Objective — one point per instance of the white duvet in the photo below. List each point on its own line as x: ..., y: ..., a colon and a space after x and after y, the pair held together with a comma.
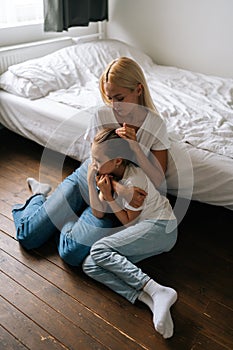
x: 198, y: 109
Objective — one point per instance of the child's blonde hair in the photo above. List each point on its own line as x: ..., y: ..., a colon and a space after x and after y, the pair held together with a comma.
x: 126, y: 73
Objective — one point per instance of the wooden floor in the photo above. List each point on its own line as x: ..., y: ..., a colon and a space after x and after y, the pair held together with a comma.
x: 47, y: 305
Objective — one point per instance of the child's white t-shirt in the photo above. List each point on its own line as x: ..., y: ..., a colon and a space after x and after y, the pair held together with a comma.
x: 155, y: 205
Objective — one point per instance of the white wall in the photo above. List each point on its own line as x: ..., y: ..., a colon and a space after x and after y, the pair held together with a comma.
x: 191, y: 34
x: 35, y: 32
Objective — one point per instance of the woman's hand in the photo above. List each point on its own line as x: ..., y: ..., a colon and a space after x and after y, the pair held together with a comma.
x: 127, y: 132
x: 135, y: 196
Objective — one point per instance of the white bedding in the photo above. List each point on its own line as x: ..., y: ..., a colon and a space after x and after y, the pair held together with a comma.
x: 53, y: 125
x: 198, y: 110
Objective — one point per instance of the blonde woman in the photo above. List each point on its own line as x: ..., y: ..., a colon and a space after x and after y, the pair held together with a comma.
x: 131, y: 110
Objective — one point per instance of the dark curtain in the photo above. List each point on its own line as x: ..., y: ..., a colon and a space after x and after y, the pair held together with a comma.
x: 60, y: 15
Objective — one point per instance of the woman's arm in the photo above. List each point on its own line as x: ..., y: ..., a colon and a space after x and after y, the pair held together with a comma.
x: 97, y: 203
x: 135, y: 196
x: 155, y: 166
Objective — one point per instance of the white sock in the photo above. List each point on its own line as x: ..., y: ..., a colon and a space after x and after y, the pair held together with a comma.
x: 37, y: 187
x: 163, y: 298
x: 169, y: 327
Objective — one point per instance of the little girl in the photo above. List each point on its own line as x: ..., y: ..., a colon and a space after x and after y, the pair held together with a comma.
x: 146, y: 231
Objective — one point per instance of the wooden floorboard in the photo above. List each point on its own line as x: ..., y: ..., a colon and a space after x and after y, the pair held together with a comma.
x: 45, y: 304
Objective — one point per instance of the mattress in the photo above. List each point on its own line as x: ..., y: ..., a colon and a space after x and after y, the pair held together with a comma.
x: 54, y: 125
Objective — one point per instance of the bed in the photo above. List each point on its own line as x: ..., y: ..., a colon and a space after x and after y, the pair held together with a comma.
x: 50, y: 99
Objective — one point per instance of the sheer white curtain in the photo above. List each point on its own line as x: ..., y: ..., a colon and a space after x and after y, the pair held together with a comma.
x: 16, y: 12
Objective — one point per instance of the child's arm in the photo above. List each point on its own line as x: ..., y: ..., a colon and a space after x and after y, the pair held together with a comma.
x: 155, y: 165
x: 125, y: 216
x: 97, y: 203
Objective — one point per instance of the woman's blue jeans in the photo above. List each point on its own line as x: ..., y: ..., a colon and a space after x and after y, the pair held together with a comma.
x: 66, y: 213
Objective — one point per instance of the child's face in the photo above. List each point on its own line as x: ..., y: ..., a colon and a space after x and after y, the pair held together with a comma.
x: 103, y: 164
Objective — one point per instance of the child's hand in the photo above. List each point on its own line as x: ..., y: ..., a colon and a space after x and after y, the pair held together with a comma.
x: 105, y: 186
x: 92, y: 171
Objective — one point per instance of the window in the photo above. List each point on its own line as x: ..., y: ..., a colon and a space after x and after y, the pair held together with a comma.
x: 20, y: 12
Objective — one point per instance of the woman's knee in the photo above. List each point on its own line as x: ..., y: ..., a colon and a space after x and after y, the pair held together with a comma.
x: 72, y: 251
x: 74, y: 257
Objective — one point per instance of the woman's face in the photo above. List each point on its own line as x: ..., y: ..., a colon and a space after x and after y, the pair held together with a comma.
x: 123, y: 100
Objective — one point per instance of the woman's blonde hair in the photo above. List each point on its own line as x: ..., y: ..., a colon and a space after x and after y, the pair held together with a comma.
x: 125, y: 72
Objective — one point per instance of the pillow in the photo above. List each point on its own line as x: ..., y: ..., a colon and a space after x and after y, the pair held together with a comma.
x: 51, y: 72
x: 94, y: 56
x: 18, y: 86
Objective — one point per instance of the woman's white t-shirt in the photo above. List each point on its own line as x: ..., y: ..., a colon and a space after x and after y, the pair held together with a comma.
x: 151, y: 135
